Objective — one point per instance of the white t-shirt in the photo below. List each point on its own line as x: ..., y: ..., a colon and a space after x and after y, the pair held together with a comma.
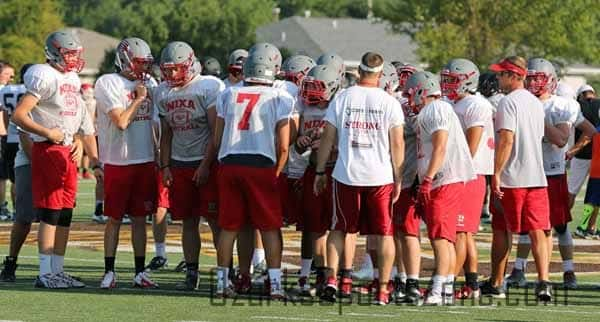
x: 458, y: 165
x: 495, y: 100
x: 9, y: 98
x: 133, y: 145
x: 523, y: 114
x: 558, y: 110
x: 185, y: 109
x: 60, y: 104
x: 251, y: 114
x: 363, y: 117
x: 473, y: 111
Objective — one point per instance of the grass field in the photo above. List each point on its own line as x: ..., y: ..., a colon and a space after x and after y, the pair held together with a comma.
x: 21, y: 302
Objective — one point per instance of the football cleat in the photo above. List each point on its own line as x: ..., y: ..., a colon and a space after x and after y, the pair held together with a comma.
x: 50, y: 281
x: 109, y: 280
x: 8, y: 272
x: 190, y: 283
x: 516, y: 278
x: 71, y: 281
x: 157, y: 263
x: 142, y: 280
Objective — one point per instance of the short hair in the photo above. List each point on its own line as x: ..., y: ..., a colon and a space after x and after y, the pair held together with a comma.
x: 371, y: 60
x: 518, y: 61
x: 4, y: 64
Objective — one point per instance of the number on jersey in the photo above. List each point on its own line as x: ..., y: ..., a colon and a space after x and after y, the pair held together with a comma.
x: 252, y: 99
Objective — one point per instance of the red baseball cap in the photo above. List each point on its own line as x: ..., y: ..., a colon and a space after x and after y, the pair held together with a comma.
x: 508, y: 66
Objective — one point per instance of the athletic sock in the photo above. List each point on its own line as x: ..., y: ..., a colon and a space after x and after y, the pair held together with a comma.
x: 568, y: 265
x: 140, y: 263
x: 45, y: 264
x: 471, y: 280
x: 449, y: 285
x: 58, y: 263
x: 403, y: 277
x: 222, y: 277
x: 191, y: 267
x: 161, y: 249
x: 99, y: 208
x: 521, y: 264
x: 258, y: 256
x: 109, y: 264
x: 275, y: 279
x: 305, y: 267
x: 437, y: 283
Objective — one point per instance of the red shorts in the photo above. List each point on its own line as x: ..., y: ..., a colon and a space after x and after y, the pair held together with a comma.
x: 364, y: 209
x: 558, y: 195
x: 252, y: 196
x: 526, y: 209
x: 54, y: 176
x: 441, y: 213
x: 129, y: 189
x: 471, y: 206
x: 188, y: 200
x: 316, y: 210
x: 163, y: 192
x: 406, y: 217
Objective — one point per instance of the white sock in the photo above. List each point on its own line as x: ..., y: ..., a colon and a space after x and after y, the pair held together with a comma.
x: 376, y: 274
x: 521, y: 263
x: 394, y: 272
x: 275, y: 278
x: 568, y: 265
x: 413, y: 277
x: 367, y: 262
x: 58, y: 263
x: 161, y: 249
x: 403, y: 277
x: 222, y: 277
x: 99, y: 202
x: 45, y: 264
x: 305, y: 268
x: 258, y: 256
x: 449, y: 285
x: 437, y: 282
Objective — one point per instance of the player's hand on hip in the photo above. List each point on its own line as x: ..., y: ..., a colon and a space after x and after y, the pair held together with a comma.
x: 201, y: 175
x: 55, y: 135
x: 167, y: 177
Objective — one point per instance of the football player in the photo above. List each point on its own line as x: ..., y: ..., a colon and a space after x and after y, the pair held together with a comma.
x: 459, y: 80
x: 252, y: 135
x: 234, y: 67
x: 186, y: 102
x: 53, y: 112
x: 125, y: 138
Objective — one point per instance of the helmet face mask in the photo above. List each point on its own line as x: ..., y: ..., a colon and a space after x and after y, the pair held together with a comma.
x: 541, y: 77
x: 420, y: 86
x: 64, y: 51
x: 314, y: 91
x: 459, y: 77
x: 133, y: 58
x: 178, y: 64
x: 295, y: 68
x: 539, y: 83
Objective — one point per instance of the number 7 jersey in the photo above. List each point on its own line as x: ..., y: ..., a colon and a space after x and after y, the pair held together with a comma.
x: 251, y: 114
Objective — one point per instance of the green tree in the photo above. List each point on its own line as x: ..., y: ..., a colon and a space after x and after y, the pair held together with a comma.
x: 486, y: 30
x: 24, y: 26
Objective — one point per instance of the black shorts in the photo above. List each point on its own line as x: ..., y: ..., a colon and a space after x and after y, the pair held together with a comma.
x: 7, y: 159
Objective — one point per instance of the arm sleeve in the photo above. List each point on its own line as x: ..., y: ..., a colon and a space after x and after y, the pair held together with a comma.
x: 285, y: 107
x: 438, y: 120
x: 396, y: 114
x: 39, y: 84
x: 476, y: 116
x: 506, y: 116
x: 107, y: 95
x: 332, y: 112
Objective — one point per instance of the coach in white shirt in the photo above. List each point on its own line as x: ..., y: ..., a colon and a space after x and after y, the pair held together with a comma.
x: 367, y: 124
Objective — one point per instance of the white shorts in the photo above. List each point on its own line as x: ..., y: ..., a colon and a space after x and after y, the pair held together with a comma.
x: 580, y: 169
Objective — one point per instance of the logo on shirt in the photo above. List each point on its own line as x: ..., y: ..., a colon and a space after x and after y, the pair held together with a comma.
x: 180, y: 103
x: 144, y: 111
x: 70, y: 94
x: 362, y: 125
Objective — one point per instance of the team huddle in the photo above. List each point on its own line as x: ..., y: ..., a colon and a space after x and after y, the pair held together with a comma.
x: 295, y: 143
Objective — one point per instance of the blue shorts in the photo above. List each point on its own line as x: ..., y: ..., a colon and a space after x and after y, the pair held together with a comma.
x: 592, y: 193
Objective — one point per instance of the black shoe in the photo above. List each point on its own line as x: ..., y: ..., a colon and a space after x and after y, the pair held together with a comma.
x: 399, y: 288
x: 157, y: 263
x: 190, y: 283
x: 328, y: 294
x: 544, y: 291
x: 488, y: 290
x: 181, y: 267
x: 8, y: 272
x: 412, y: 293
